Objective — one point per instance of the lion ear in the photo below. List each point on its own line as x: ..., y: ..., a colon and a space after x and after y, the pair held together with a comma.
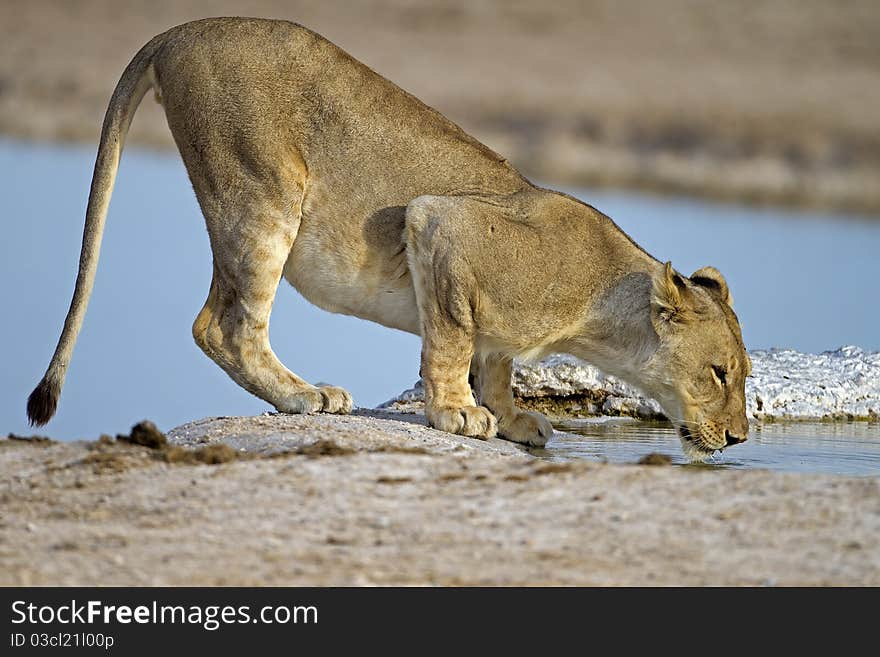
x: 670, y: 297
x: 711, y: 278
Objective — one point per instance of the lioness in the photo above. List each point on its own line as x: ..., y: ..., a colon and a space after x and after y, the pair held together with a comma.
x: 310, y: 166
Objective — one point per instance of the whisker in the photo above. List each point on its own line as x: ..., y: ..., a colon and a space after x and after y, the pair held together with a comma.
x: 687, y: 423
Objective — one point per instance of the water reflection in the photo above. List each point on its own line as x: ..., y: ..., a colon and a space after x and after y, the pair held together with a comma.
x: 841, y: 448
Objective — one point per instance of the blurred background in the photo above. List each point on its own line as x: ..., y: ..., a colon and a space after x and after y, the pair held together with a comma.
x: 761, y: 100
x: 740, y: 134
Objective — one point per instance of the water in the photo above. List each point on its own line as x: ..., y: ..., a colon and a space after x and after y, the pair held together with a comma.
x: 802, y: 280
x: 843, y: 448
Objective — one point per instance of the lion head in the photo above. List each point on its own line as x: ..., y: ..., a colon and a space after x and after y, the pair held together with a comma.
x: 701, y: 364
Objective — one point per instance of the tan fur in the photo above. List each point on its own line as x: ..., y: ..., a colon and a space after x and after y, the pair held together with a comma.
x: 309, y: 166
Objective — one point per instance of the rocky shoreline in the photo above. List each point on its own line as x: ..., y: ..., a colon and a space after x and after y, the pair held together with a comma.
x: 786, y: 385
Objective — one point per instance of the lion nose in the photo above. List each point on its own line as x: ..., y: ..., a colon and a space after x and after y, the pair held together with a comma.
x: 733, y: 440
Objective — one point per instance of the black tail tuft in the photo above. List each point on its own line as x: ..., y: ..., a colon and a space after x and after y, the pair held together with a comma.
x: 43, y: 402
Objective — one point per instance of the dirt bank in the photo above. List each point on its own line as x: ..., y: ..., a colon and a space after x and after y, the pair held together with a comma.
x: 370, y: 499
x: 764, y: 102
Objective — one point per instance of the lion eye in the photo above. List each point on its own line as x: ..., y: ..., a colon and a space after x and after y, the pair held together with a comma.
x: 720, y: 373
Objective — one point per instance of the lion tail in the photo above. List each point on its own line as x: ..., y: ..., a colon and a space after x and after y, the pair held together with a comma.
x: 134, y: 83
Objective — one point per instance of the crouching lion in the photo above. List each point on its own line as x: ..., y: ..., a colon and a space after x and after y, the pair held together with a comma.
x: 308, y: 165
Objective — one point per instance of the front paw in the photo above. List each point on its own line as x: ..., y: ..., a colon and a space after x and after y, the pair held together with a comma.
x: 527, y: 428
x: 474, y: 421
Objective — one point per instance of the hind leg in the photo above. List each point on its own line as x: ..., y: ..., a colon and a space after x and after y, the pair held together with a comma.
x: 233, y: 326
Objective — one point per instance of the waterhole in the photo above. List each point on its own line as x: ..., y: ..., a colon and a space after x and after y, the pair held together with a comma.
x: 851, y: 448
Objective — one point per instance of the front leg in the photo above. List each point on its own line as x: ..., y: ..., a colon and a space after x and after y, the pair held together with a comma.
x: 449, y: 403
x: 493, y: 375
x: 443, y: 285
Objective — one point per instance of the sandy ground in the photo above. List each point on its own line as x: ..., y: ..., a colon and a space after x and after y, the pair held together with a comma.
x: 767, y: 102
x: 378, y: 498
